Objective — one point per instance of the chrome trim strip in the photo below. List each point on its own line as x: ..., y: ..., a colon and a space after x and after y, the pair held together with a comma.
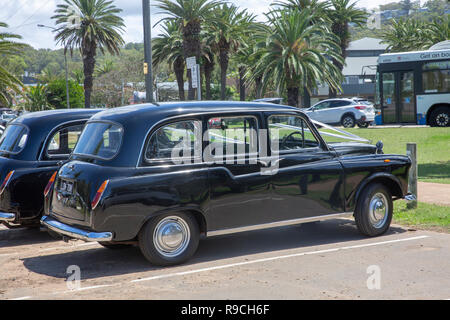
x: 410, y: 197
x: 9, y: 217
x: 73, y: 232
x: 278, y: 224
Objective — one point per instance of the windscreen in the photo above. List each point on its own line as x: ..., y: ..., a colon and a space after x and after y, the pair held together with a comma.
x: 99, y: 140
x: 13, y: 139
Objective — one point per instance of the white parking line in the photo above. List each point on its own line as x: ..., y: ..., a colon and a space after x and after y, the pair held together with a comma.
x: 22, y: 298
x: 69, y: 247
x: 275, y: 258
x: 232, y: 265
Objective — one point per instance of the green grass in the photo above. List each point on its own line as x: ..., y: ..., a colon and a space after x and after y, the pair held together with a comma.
x: 433, y: 148
x: 425, y: 216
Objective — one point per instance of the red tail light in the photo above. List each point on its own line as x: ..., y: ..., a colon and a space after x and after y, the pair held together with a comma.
x: 6, y: 181
x: 99, y: 194
x: 50, y: 184
x: 360, y: 107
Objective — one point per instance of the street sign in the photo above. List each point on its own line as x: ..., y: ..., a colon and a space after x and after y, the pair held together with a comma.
x: 194, y: 74
x: 191, y: 62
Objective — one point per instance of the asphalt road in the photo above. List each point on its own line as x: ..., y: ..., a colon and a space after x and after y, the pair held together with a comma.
x: 327, y: 260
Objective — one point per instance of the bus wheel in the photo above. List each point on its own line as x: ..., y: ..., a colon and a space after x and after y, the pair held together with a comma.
x: 440, y: 117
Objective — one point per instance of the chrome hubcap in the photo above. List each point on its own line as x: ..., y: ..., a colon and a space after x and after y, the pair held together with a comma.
x: 171, y: 236
x: 442, y: 119
x: 378, y: 210
x: 348, y: 122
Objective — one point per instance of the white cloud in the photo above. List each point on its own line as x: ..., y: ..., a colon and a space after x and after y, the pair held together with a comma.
x: 23, y: 16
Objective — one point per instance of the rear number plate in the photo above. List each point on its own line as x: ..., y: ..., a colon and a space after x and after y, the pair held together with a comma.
x: 66, y: 186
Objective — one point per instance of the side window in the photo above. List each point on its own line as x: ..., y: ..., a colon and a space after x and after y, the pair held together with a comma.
x: 232, y: 136
x: 176, y: 142
x: 338, y: 104
x: 63, y: 142
x: 323, y: 105
x: 290, y: 133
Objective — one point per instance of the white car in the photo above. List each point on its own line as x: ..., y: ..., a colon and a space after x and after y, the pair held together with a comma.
x: 345, y: 112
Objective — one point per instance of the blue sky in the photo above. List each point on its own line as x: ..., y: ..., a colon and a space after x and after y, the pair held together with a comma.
x: 22, y: 16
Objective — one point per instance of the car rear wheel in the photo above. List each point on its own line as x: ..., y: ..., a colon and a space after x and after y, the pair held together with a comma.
x: 363, y: 125
x: 169, y: 239
x: 374, y: 210
x: 348, y: 121
x: 440, y: 117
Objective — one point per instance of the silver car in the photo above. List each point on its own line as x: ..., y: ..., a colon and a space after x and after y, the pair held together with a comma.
x: 345, y: 112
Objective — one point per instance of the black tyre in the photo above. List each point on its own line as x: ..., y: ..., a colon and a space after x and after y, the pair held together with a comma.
x: 440, y: 117
x: 373, y: 214
x: 115, y: 246
x: 169, y: 239
x: 348, y: 121
x: 363, y: 125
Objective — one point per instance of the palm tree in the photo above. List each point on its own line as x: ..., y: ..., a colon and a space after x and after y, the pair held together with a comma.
x: 228, y: 29
x: 318, y: 7
x: 8, y: 47
x: 404, y: 35
x: 208, y: 63
x: 106, y: 67
x: 89, y: 25
x: 189, y: 15
x: 437, y: 31
x: 168, y: 47
x: 297, y: 54
x: 37, y: 98
x: 246, y: 57
x: 341, y: 13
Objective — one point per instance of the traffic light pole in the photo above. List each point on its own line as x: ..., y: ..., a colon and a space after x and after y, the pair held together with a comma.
x: 148, y: 51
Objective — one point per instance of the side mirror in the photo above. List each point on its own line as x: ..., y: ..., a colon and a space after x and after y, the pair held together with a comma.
x: 379, y: 146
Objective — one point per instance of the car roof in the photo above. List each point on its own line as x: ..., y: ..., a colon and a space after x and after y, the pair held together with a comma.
x: 165, y: 110
x: 138, y: 120
x: 337, y: 99
x: 40, y: 124
x: 52, y: 117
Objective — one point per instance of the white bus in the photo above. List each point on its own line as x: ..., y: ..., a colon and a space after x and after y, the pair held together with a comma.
x: 414, y: 87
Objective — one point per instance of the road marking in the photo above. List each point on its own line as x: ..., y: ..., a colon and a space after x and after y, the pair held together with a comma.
x: 7, y: 254
x: 177, y: 274
x: 88, y: 288
x: 183, y: 273
x: 69, y: 247
x: 22, y: 298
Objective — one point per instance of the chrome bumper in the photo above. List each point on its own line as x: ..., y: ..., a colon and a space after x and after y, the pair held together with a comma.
x: 8, y: 217
x: 410, y: 197
x: 73, y: 232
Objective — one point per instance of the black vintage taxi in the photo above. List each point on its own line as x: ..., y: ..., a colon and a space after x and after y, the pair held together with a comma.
x: 30, y: 149
x: 164, y: 176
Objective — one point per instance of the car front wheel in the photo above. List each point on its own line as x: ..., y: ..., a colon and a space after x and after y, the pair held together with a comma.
x: 374, y: 210
x: 348, y: 121
x: 169, y: 239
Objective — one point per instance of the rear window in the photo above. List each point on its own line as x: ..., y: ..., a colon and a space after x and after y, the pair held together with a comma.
x: 14, y: 138
x: 100, y: 140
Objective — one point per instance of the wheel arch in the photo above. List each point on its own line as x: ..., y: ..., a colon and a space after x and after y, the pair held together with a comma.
x: 390, y: 181
x: 434, y: 107
x: 195, y: 212
x: 348, y: 113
